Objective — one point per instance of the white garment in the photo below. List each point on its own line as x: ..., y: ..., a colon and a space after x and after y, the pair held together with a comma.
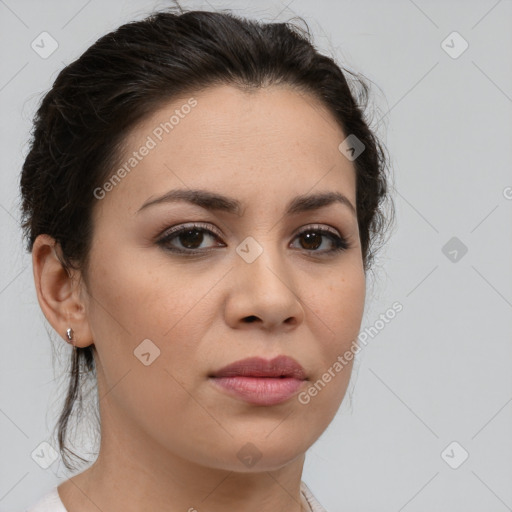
x: 51, y: 501
x: 313, y: 503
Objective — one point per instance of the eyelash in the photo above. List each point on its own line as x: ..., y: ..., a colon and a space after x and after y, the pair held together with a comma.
x: 340, y: 243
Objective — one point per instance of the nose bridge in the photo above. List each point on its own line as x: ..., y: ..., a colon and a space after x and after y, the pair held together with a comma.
x: 266, y: 288
x: 263, y: 261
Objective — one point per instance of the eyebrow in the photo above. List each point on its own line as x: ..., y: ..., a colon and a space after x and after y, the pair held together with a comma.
x: 213, y: 201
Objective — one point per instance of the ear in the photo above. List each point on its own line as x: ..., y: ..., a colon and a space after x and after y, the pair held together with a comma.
x: 59, y: 291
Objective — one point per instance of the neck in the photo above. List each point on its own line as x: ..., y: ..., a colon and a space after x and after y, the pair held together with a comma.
x: 132, y: 473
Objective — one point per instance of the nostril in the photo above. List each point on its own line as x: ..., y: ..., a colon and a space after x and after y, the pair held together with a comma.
x: 251, y: 319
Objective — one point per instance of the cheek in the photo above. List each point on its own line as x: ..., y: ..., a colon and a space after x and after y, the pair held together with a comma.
x: 145, y: 335
x: 341, y: 308
x: 135, y: 299
x: 139, y: 292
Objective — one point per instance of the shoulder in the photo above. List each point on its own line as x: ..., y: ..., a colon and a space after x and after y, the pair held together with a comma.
x: 50, y: 502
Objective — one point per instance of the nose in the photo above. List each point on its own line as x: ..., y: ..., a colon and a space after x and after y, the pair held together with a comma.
x: 263, y: 294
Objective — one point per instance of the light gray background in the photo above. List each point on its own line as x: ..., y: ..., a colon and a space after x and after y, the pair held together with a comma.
x: 441, y: 370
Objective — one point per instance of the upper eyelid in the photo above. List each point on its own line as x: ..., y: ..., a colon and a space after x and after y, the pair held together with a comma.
x: 207, y: 227
x: 189, y: 225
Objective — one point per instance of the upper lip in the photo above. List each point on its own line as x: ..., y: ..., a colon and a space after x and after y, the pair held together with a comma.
x: 280, y: 366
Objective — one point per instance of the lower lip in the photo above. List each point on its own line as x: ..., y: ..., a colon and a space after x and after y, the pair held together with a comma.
x: 260, y: 390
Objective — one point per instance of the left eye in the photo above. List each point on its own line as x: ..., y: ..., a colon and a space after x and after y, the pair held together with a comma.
x: 312, y: 238
x: 191, y: 237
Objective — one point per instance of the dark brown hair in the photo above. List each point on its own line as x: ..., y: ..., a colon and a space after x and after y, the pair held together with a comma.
x: 126, y: 75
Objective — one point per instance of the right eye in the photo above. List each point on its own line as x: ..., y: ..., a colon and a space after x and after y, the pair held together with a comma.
x: 190, y: 237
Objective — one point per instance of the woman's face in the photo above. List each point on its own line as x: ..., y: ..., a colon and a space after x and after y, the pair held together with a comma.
x: 166, y: 315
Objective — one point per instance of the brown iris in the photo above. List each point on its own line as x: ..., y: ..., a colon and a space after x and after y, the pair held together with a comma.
x: 313, y: 240
x: 194, y: 237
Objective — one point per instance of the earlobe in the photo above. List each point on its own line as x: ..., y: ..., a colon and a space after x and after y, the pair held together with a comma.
x: 58, y: 292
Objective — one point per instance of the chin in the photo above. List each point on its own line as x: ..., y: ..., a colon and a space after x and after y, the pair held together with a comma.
x: 245, y: 454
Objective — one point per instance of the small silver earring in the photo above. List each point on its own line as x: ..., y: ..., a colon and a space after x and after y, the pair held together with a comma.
x: 70, y: 334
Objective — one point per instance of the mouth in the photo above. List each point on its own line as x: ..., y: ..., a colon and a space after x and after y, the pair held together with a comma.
x: 259, y: 381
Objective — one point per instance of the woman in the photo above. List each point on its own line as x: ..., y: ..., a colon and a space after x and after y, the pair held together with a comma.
x: 202, y: 199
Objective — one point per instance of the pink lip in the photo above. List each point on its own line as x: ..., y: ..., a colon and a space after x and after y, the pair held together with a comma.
x: 261, y: 382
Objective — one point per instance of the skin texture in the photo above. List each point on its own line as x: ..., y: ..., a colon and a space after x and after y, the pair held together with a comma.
x: 170, y: 438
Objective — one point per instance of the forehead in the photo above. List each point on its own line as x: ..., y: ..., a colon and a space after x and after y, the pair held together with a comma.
x: 245, y: 142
